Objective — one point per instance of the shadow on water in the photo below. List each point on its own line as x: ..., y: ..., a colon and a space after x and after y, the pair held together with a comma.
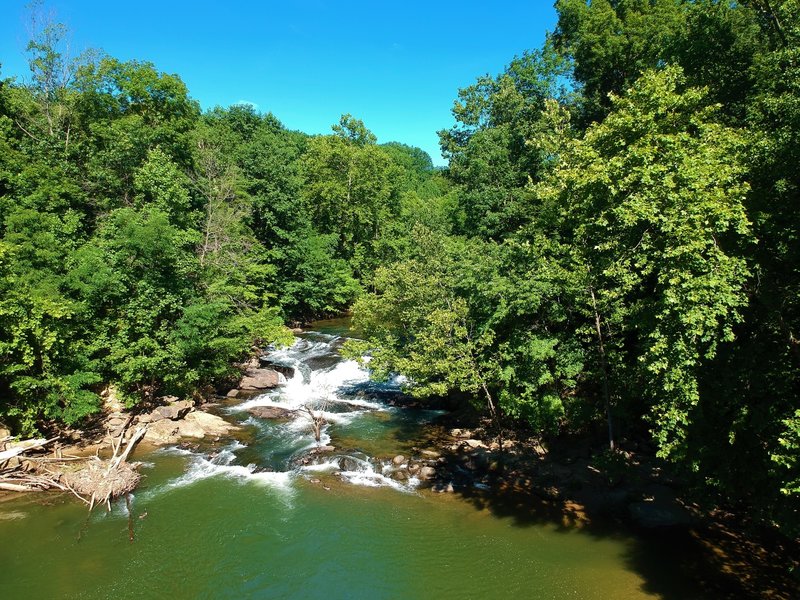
x: 704, y: 558
x: 707, y: 558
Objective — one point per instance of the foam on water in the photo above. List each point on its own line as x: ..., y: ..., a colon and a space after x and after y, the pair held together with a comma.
x: 365, y: 475
x: 338, y: 383
x: 202, y: 467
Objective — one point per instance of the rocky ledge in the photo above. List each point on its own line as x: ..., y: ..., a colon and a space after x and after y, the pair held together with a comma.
x: 169, y: 422
x: 258, y: 377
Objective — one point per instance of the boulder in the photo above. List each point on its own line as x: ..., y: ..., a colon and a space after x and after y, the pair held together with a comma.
x: 232, y: 393
x: 426, y: 473
x: 348, y: 463
x: 430, y: 453
x: 212, y: 425
x: 4, y: 432
x: 173, y: 411
x: 260, y: 379
x: 162, y: 432
x: 196, y: 424
x: 270, y: 412
x: 284, y: 370
x: 398, y: 460
x: 475, y: 444
x: 399, y: 475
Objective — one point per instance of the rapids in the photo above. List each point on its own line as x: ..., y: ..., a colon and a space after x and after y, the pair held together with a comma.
x: 251, y: 518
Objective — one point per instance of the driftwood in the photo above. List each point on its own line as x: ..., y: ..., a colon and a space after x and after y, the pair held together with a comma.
x: 103, y: 481
x: 97, y: 482
x: 22, y: 447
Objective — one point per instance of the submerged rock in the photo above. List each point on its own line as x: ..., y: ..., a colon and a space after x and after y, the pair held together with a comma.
x: 658, y: 514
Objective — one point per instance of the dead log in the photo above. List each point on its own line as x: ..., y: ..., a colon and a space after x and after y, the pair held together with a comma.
x: 23, y: 447
x: 15, y: 487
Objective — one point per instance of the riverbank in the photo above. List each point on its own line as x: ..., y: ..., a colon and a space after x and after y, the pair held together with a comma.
x: 731, y: 555
x: 376, y: 438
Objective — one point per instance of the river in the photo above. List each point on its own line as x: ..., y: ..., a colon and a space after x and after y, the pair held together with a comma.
x: 244, y: 519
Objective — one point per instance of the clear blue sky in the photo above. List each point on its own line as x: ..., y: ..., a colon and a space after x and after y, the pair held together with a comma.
x: 395, y: 65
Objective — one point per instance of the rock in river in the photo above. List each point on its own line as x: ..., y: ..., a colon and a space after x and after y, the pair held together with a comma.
x: 261, y: 379
x: 270, y: 412
x: 195, y: 425
x: 427, y: 473
x: 172, y: 411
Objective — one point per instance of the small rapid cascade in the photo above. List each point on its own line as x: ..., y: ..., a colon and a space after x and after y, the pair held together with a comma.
x: 319, y: 383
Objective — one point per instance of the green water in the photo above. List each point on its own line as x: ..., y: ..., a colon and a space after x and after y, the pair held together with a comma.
x: 203, y: 530
x: 222, y: 538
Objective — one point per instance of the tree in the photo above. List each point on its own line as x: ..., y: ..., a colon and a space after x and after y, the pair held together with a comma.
x: 653, y: 205
x: 612, y: 42
x: 491, y: 161
x: 459, y: 315
x: 349, y: 190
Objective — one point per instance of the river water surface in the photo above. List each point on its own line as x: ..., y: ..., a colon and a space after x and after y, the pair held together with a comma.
x: 247, y: 519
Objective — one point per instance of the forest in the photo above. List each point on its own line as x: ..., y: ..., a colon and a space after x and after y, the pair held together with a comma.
x: 613, y: 250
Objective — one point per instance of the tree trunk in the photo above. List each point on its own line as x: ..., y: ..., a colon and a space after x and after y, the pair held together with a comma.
x: 604, y: 368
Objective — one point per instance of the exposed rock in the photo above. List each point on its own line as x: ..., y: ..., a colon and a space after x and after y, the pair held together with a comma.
x: 260, y: 379
x: 413, y: 468
x: 398, y: 460
x: 162, y: 432
x: 430, y: 453
x: 4, y: 432
x: 284, y: 370
x: 173, y: 411
x: 426, y: 473
x: 195, y: 425
x: 658, y: 514
x: 270, y: 412
x: 232, y: 393
x: 475, y: 443
x: 212, y: 425
x: 399, y: 475
x: 348, y: 463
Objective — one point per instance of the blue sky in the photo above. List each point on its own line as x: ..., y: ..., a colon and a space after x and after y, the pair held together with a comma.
x: 395, y: 65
